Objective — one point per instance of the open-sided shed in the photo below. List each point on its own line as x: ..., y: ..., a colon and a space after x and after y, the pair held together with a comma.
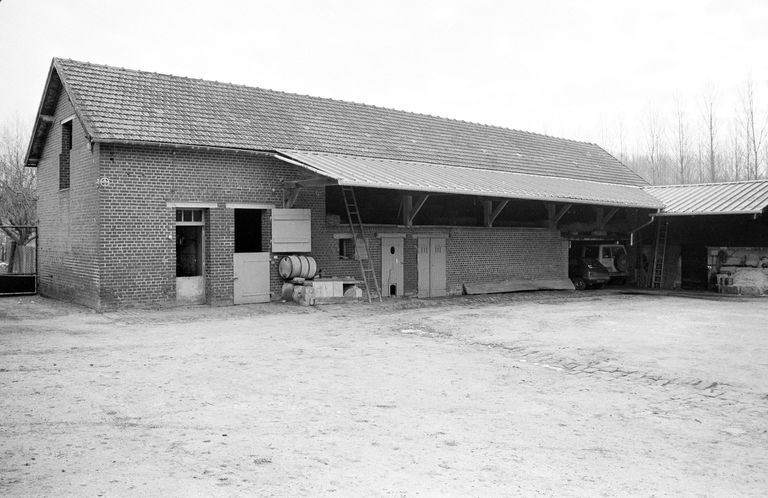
x: 708, y: 232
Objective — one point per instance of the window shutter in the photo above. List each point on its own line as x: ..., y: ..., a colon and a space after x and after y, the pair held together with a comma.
x: 291, y: 230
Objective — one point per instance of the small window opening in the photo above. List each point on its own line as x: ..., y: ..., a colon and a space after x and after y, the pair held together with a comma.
x: 64, y: 157
x: 347, y: 248
x: 392, y: 250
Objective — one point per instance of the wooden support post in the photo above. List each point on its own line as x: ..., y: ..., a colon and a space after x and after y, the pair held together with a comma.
x: 289, y: 196
x: 490, y: 213
x: 487, y: 210
x: 407, y: 206
x: 410, y: 210
x: 599, y: 216
x: 554, y: 215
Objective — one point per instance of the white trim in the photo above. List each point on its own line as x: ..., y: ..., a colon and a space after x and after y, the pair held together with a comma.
x: 67, y: 120
x: 390, y: 235
x: 192, y: 205
x: 248, y: 205
x: 431, y: 235
x: 339, y: 236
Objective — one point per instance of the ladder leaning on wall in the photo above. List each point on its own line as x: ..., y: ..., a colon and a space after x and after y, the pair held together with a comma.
x: 660, y: 252
x: 358, y: 233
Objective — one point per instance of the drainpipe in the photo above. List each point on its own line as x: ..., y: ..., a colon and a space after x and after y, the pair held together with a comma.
x: 633, y: 232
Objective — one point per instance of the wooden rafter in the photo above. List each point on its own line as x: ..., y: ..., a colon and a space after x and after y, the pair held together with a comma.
x: 554, y: 215
x: 411, y: 209
x: 490, y: 213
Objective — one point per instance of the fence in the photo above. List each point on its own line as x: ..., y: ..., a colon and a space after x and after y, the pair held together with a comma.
x: 18, y: 260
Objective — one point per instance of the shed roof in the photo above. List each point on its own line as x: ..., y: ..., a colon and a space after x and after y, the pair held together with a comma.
x: 747, y: 197
x: 429, y: 177
x: 122, y: 105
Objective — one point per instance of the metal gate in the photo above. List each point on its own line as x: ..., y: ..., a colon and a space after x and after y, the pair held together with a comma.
x: 18, y: 260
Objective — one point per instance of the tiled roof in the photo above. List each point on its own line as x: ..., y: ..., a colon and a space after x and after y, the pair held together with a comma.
x: 748, y: 197
x: 427, y: 177
x: 125, y: 105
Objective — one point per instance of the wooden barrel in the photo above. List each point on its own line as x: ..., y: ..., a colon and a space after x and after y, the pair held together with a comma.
x: 297, y: 266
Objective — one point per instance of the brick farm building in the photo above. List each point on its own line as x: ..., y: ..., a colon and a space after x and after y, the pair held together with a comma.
x: 157, y: 189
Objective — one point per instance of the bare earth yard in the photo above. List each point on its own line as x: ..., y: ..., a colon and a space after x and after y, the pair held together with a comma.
x: 593, y: 393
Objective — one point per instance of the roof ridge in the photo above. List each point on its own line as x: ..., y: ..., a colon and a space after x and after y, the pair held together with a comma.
x: 705, y: 184
x: 329, y: 99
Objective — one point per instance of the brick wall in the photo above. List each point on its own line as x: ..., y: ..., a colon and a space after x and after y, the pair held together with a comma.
x: 138, y: 228
x: 68, y: 219
x: 473, y: 254
x: 114, y: 245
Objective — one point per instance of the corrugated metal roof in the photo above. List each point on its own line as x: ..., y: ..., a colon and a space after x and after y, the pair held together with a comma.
x: 749, y: 197
x: 428, y: 177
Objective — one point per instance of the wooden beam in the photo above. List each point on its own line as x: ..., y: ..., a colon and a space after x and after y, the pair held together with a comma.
x: 318, y: 181
x: 289, y: 196
x: 610, y: 215
x: 410, y: 210
x: 490, y: 213
x: 497, y: 211
x: 416, y: 208
x: 406, y: 206
x: 554, y: 215
x: 46, y: 118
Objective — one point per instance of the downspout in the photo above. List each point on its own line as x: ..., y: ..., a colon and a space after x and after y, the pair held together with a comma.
x: 633, y: 232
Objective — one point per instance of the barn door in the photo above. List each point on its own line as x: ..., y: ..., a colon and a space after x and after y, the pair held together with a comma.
x: 251, y: 277
x: 431, y: 267
x: 251, y: 264
x: 391, y: 266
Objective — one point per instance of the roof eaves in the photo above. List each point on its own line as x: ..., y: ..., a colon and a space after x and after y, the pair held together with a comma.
x: 28, y: 160
x: 90, y: 130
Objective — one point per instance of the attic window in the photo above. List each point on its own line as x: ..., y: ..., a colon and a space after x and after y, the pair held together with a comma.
x: 64, y: 157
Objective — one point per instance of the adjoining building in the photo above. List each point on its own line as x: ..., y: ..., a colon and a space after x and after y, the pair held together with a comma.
x: 708, y: 236
x: 158, y: 189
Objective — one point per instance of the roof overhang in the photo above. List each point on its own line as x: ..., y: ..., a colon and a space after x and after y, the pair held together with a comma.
x: 711, y: 199
x: 358, y: 171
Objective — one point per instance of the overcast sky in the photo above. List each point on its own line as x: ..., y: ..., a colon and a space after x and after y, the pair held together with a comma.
x: 562, y: 67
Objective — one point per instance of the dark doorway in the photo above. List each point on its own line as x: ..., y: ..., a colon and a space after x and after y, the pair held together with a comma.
x: 248, y: 230
x: 693, y: 267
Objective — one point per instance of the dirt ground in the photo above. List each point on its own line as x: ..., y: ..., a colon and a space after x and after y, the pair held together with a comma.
x: 581, y: 394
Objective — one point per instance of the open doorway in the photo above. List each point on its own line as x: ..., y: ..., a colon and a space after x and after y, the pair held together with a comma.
x: 190, y: 256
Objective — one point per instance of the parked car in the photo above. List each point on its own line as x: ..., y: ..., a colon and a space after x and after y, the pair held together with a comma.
x: 611, y: 256
x: 587, y: 272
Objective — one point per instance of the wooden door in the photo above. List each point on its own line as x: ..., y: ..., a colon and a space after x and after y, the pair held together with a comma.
x: 431, y: 267
x: 437, y: 283
x: 251, y: 277
x: 391, y: 266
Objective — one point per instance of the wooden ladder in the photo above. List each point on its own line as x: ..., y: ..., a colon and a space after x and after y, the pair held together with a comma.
x: 358, y: 233
x: 660, y: 252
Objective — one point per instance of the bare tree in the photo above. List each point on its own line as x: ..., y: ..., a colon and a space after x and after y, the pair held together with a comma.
x: 654, y: 143
x: 681, y: 142
x: 17, y: 188
x: 755, y: 131
x: 711, y: 134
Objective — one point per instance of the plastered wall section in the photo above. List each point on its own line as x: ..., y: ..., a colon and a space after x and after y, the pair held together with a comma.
x: 68, y: 242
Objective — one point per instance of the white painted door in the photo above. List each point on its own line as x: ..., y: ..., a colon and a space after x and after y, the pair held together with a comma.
x: 391, y: 266
x: 431, y: 267
x: 437, y: 283
x: 251, y: 277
